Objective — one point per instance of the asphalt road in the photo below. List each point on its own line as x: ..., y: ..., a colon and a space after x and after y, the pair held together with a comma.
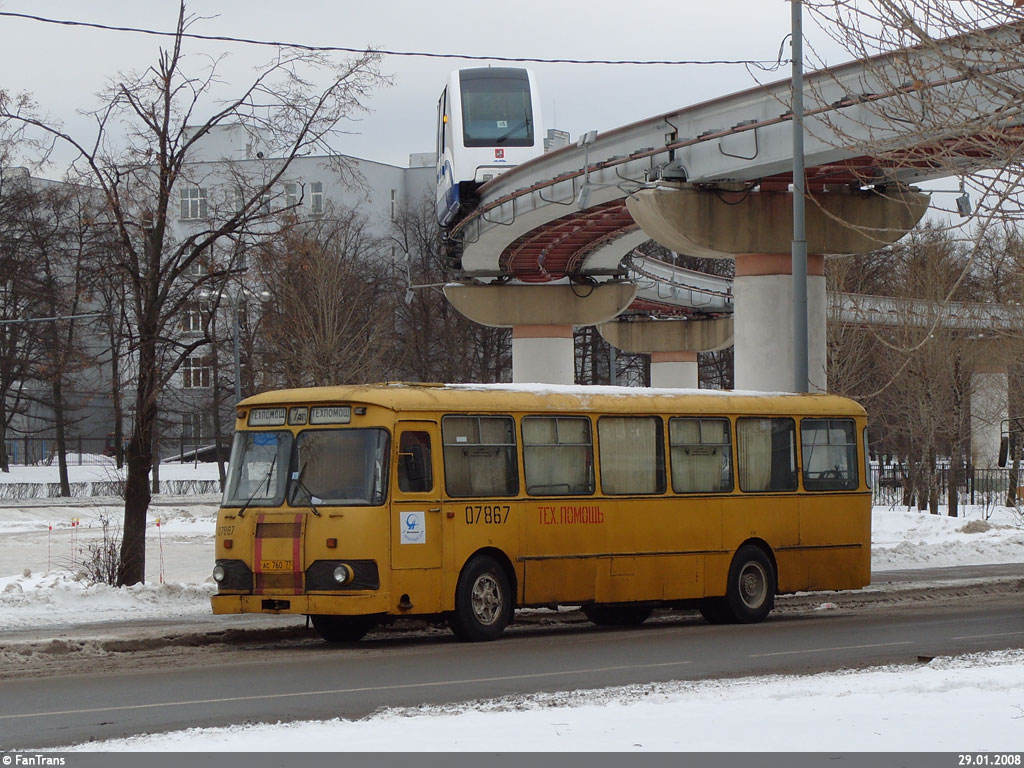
x: 271, y: 680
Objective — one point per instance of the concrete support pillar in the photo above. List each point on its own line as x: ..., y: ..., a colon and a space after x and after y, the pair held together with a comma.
x: 542, y: 318
x: 756, y: 228
x: 990, y: 404
x: 543, y: 353
x: 674, y: 370
x: 763, y: 291
x: 672, y: 344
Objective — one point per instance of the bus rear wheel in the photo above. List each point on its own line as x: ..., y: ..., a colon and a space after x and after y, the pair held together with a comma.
x: 715, y: 610
x: 341, y: 629
x: 483, y: 601
x: 617, y: 615
x: 750, y: 594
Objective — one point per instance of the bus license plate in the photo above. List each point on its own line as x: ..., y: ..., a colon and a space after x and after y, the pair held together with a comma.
x: 275, y: 565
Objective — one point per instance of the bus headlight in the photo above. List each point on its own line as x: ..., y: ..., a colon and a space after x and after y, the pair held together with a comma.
x: 232, y: 575
x: 343, y: 574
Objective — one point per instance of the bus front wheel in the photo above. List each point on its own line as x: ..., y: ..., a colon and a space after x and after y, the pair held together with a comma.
x: 750, y: 594
x: 483, y: 601
x: 342, y: 629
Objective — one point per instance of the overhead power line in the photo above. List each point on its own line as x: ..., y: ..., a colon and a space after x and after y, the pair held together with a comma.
x: 769, y: 64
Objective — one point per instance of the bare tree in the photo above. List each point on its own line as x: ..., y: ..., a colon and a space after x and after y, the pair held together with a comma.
x: 295, y: 103
x: 21, y: 298
x: 434, y: 342
x: 328, y: 318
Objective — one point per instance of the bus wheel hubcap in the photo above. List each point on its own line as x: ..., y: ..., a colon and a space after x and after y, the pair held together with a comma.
x: 486, y: 599
x: 753, y: 585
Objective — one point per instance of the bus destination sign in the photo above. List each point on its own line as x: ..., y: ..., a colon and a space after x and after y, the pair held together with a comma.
x: 266, y: 417
x: 330, y: 414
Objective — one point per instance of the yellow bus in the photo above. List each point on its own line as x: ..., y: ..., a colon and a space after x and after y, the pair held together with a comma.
x: 355, y: 505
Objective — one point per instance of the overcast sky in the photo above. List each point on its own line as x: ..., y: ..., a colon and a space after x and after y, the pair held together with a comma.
x: 65, y: 67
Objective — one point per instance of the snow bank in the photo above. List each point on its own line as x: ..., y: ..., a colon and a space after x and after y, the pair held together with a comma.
x: 977, y: 700
x: 902, y: 539
x: 31, y: 600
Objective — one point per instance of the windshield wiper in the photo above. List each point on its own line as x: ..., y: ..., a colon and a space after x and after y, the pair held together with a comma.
x: 513, y: 129
x: 299, y: 485
x: 273, y: 462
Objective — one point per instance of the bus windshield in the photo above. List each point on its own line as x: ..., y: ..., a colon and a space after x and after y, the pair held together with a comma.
x: 257, y: 470
x: 496, y: 109
x: 341, y: 467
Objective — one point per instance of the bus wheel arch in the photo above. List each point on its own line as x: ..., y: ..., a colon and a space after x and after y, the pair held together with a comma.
x: 485, y: 596
x: 750, y: 591
x: 751, y: 587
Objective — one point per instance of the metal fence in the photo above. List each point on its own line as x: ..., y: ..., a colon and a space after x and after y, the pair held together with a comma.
x: 42, y: 451
x: 889, y: 486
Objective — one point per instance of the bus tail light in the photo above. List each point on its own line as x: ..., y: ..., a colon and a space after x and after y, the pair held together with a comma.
x: 228, y: 543
x: 332, y: 543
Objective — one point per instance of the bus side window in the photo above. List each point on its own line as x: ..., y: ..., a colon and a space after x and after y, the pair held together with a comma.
x: 479, y: 456
x: 767, y: 454
x: 632, y: 454
x: 829, y: 454
x: 414, y: 472
x: 701, y: 455
x: 558, y: 455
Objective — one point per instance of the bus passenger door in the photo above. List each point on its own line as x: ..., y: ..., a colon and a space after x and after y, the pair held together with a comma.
x: 416, y: 499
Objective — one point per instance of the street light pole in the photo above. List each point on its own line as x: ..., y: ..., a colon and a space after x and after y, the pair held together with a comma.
x: 237, y: 353
x: 799, y: 248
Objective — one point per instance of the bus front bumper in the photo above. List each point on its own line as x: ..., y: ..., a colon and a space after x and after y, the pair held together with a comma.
x: 349, y: 605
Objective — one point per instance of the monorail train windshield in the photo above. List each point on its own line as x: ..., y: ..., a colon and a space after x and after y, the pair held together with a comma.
x: 496, y: 108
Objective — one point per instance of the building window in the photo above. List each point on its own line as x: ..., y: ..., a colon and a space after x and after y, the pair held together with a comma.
x: 291, y: 195
x: 316, y: 196
x: 196, y: 372
x: 394, y: 203
x: 193, y: 203
x: 196, y: 428
x: 194, y: 316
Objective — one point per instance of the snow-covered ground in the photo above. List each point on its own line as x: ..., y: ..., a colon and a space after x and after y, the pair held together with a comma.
x: 978, y: 700
x: 964, y: 704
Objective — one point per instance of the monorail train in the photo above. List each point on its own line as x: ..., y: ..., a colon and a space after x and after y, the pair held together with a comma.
x: 488, y: 120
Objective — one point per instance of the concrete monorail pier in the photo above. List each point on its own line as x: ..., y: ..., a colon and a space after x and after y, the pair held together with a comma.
x: 672, y: 344
x: 756, y: 228
x: 542, y: 318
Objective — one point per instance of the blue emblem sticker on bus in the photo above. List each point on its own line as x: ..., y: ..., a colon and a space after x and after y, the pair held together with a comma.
x: 264, y: 438
x: 413, y: 527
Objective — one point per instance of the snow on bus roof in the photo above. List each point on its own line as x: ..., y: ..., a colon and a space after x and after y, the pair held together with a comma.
x: 582, y: 390
x: 425, y: 395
